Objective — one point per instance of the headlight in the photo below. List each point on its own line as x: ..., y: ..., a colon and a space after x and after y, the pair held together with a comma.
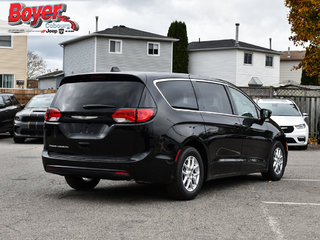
x: 300, y: 126
x: 17, y: 118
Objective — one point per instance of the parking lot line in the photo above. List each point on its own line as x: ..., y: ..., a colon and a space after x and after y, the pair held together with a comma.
x: 303, y: 180
x: 292, y: 203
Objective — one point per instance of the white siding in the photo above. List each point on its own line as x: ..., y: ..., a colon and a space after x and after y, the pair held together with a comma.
x: 217, y: 64
x: 269, y: 76
x: 134, y: 56
x: 78, y: 57
x: 48, y: 83
x: 287, y: 73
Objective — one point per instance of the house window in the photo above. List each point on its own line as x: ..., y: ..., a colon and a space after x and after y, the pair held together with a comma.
x: 115, y: 46
x: 5, y: 41
x: 269, y: 61
x: 154, y: 49
x: 6, y: 81
x: 247, y: 58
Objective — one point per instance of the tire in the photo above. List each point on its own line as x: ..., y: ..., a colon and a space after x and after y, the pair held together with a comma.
x: 188, y: 175
x: 18, y: 139
x: 277, y: 163
x: 81, y: 183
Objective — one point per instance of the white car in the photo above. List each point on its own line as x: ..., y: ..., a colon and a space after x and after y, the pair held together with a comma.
x: 288, y: 116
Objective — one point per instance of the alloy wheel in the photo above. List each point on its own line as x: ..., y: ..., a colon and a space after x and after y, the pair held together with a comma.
x: 277, y: 160
x: 190, y: 173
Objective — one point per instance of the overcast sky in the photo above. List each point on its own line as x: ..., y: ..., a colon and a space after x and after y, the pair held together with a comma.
x: 205, y: 19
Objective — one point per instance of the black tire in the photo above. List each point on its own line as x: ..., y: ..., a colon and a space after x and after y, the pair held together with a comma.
x: 18, y: 139
x: 82, y: 184
x: 177, y: 189
x: 277, y: 163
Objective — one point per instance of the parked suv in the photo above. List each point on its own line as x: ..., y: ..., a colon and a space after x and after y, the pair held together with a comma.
x: 29, y: 122
x: 9, y: 106
x: 174, y: 129
x: 288, y: 116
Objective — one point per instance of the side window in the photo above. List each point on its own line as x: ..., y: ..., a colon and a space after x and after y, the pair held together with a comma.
x: 179, y: 94
x: 7, y: 100
x: 244, y: 107
x: 213, y: 98
x: 1, y: 100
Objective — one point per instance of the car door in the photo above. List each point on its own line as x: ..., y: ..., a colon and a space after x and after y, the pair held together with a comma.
x: 9, y: 112
x: 223, y: 136
x: 257, y: 137
x: 3, y: 115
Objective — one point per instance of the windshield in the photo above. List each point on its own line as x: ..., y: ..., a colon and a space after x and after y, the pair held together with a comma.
x: 281, y: 109
x: 41, y: 101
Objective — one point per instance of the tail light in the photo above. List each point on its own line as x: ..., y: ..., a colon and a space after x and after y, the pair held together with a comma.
x: 52, y: 115
x: 133, y: 115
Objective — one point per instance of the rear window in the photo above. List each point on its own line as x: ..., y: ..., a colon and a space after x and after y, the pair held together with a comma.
x: 179, y: 94
x: 40, y: 101
x: 119, y: 94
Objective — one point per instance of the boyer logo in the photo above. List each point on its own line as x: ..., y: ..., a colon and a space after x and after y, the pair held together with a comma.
x: 34, y: 16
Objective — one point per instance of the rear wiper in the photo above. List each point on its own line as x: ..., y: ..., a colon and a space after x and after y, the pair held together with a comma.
x: 95, y: 106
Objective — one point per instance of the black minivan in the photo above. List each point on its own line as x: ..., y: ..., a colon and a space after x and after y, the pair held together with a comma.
x: 174, y: 129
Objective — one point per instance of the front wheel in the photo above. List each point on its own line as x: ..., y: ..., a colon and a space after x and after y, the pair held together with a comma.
x: 277, y: 163
x: 188, y: 176
x: 81, y: 183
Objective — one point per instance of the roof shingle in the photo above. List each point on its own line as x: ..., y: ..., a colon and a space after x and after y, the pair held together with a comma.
x: 227, y: 44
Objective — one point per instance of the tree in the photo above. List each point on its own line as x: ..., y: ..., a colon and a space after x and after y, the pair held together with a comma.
x: 308, y: 80
x: 180, y: 49
x: 304, y: 18
x: 36, y: 65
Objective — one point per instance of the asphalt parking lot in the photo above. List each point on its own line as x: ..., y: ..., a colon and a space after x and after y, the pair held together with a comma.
x: 37, y: 205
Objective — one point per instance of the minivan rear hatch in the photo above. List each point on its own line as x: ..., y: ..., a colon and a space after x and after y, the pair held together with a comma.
x: 87, y: 125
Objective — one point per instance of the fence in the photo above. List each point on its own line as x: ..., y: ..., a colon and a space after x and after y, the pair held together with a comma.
x: 308, y: 100
x: 24, y: 95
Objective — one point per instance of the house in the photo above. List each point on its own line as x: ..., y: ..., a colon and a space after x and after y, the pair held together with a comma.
x: 126, y: 48
x: 288, y: 61
x: 13, y: 61
x: 13, y: 56
x: 50, y: 80
x: 238, y: 62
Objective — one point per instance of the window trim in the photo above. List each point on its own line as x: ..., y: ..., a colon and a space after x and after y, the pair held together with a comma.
x: 115, y: 40
x: 244, y: 57
x: 11, y: 47
x: 154, y: 55
x: 14, y: 80
x: 271, y: 62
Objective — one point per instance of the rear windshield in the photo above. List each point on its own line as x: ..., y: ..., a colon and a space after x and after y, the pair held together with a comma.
x: 281, y: 109
x: 117, y: 94
x: 40, y: 101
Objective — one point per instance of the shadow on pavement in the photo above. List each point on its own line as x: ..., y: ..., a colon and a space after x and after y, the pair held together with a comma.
x: 131, y: 192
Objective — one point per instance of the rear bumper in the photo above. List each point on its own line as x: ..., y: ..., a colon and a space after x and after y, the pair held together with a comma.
x: 142, y: 167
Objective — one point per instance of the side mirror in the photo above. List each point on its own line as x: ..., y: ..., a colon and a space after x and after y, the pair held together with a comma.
x: 305, y: 115
x: 2, y: 105
x: 265, y: 114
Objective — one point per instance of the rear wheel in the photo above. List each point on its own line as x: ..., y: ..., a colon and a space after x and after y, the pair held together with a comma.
x: 18, y: 139
x: 277, y: 163
x: 189, y: 175
x: 81, y: 183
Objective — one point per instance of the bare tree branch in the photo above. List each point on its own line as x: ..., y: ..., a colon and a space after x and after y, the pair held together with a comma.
x: 36, y: 65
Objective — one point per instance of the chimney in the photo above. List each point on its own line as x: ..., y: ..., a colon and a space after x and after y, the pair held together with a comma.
x: 97, y: 20
x: 270, y: 43
x: 237, y: 35
x: 288, y: 53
